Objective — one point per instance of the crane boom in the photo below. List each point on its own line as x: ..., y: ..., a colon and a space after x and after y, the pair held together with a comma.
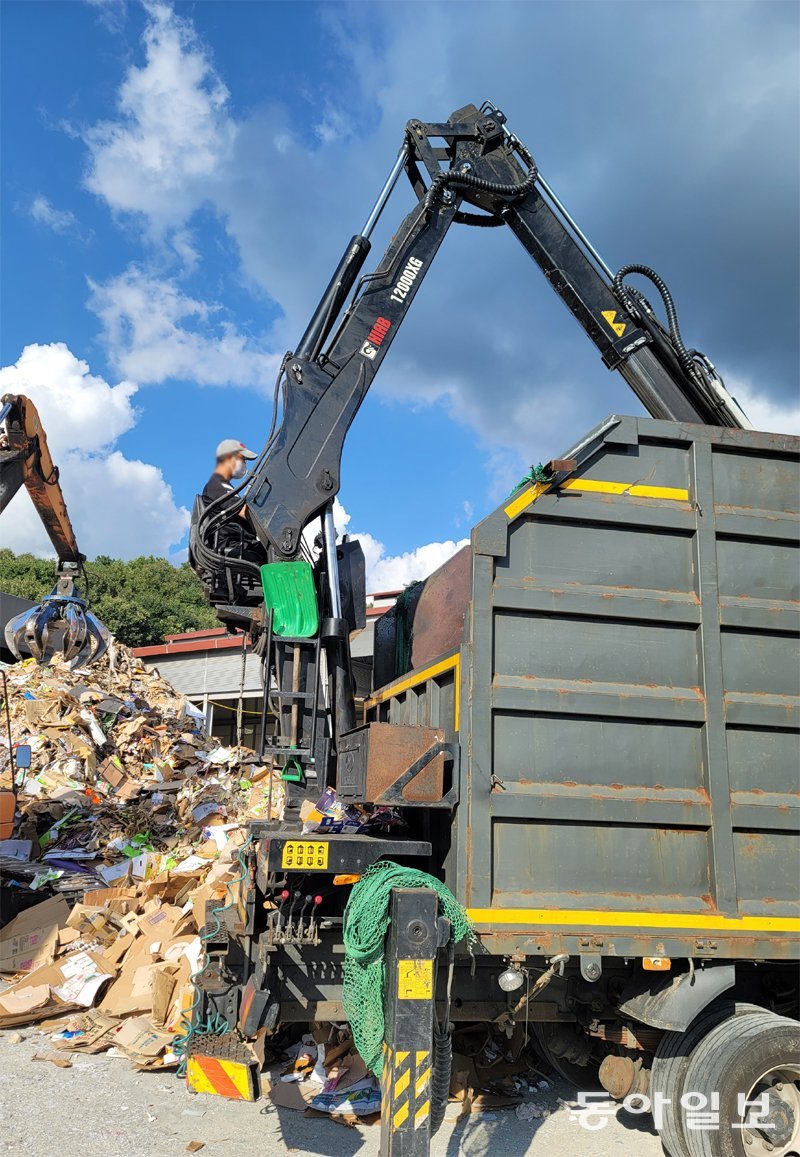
x: 25, y: 460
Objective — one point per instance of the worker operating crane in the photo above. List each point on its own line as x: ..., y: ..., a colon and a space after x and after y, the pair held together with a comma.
x: 25, y: 460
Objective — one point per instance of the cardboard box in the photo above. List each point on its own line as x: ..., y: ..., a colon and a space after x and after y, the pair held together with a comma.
x: 73, y: 983
x: 138, y: 1037
x: 29, y: 940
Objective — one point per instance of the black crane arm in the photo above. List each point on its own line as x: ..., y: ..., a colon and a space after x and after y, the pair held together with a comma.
x: 481, y: 166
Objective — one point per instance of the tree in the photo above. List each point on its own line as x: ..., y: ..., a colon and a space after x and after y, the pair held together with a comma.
x: 139, y: 601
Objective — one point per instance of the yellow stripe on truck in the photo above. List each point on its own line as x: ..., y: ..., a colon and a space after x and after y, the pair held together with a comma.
x: 453, y: 663
x: 499, y: 917
x: 593, y: 486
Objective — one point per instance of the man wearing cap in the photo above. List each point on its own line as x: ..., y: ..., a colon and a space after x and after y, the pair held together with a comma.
x: 232, y: 458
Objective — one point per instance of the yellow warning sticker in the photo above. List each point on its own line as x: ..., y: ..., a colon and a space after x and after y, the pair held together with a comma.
x: 415, y: 979
x: 305, y: 855
x: 618, y: 327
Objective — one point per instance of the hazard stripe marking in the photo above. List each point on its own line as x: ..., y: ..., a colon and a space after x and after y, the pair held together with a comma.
x: 401, y: 1084
x: 422, y: 1083
x: 209, y: 1075
x: 400, y: 1116
x: 421, y: 1114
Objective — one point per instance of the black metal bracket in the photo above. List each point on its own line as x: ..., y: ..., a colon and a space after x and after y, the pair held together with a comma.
x: 393, y: 795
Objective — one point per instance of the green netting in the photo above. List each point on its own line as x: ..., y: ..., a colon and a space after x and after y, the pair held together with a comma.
x: 366, y: 921
x: 403, y: 629
x: 289, y: 593
x: 535, y: 474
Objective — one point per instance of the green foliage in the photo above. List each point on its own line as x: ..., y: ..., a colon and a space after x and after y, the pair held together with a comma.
x: 139, y: 601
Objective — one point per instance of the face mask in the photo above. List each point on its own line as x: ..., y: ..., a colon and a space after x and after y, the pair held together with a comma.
x: 240, y: 469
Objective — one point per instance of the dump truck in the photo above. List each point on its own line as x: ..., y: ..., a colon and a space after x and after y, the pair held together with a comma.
x: 578, y: 765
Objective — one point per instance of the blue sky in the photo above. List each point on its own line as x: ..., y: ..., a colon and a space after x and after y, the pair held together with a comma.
x: 179, y: 181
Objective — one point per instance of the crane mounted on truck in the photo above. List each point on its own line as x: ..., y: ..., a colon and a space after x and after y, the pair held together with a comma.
x: 574, y: 723
x: 25, y: 460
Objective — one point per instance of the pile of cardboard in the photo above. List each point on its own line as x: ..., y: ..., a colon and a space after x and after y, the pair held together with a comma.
x: 325, y: 1077
x: 128, y: 821
x: 115, y: 969
x: 124, y: 783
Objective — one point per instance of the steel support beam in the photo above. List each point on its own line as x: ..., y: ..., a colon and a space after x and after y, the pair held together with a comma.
x: 408, y: 1015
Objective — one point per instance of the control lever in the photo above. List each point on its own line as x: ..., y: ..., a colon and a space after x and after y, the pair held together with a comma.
x: 288, y: 934
x: 312, y: 922
x: 301, y: 917
x: 275, y: 917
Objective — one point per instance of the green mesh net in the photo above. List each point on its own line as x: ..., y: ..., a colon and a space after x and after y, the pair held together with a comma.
x: 535, y: 474
x: 366, y: 921
x: 404, y: 631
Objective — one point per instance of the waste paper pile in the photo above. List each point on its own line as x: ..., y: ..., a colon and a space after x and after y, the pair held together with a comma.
x: 128, y: 820
x: 128, y: 830
x: 123, y: 783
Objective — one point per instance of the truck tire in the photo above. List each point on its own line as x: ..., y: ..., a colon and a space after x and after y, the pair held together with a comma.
x: 670, y: 1062
x: 583, y: 1076
x: 748, y: 1056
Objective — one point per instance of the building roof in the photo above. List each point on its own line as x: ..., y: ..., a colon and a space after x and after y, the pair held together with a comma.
x: 218, y: 639
x: 192, y: 641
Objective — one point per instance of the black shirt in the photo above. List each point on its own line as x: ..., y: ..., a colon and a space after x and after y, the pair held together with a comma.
x: 216, y: 487
x: 232, y: 532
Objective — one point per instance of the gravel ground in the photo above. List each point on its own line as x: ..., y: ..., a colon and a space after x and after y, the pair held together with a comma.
x: 102, y: 1107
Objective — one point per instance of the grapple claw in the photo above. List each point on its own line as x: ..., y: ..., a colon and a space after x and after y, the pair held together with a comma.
x: 37, y: 630
x: 84, y: 637
x: 74, y: 638
x: 16, y: 629
x: 97, y: 641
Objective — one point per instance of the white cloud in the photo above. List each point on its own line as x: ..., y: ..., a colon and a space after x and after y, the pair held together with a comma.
x: 386, y: 572
x: 118, y: 506
x: 182, y: 242
x: 110, y: 13
x: 154, y: 331
x: 79, y: 410
x: 528, y: 386
x: 45, y: 213
x: 763, y: 412
x: 173, y: 129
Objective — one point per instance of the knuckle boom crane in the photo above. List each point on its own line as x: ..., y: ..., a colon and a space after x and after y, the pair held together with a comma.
x: 478, y: 174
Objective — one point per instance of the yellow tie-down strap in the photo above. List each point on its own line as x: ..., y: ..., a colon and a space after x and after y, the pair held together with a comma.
x: 529, y: 495
x: 665, y: 921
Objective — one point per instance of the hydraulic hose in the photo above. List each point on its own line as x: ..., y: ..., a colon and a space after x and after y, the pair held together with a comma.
x: 441, y: 1073
x: 507, y: 192
x: 687, y: 362
x: 481, y: 220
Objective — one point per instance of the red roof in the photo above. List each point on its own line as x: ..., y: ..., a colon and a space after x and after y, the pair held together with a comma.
x: 192, y: 641
x: 195, y: 634
x: 215, y: 638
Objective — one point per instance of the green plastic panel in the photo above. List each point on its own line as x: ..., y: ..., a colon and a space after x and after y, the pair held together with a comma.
x: 289, y: 593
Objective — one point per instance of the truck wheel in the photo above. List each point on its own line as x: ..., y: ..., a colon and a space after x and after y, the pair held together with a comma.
x: 749, y: 1058
x: 582, y: 1074
x: 670, y: 1062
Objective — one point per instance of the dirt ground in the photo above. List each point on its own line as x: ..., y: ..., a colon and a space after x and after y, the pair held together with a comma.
x: 102, y: 1107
